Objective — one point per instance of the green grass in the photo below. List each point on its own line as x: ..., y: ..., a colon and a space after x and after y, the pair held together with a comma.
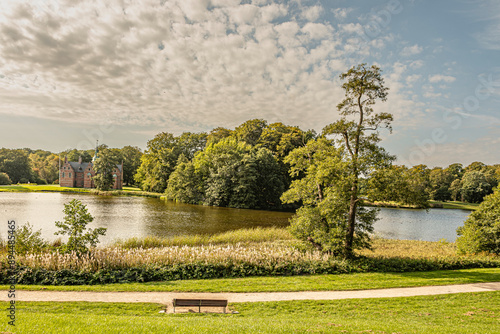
x: 295, y: 283
x: 242, y: 236
x: 40, y: 188
x: 456, y: 205
x: 127, y: 191
x: 460, y: 313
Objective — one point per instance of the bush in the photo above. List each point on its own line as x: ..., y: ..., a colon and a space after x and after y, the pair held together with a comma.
x: 481, y: 231
x: 5, y: 179
x: 28, y: 241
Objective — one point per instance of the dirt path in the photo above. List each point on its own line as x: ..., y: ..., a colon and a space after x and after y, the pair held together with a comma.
x: 166, y: 297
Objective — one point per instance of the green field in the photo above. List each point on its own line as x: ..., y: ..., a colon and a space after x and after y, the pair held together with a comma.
x: 363, y: 281
x: 460, y: 313
x: 126, y: 191
x: 456, y: 205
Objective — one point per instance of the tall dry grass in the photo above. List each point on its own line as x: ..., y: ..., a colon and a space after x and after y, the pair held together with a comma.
x: 120, y: 258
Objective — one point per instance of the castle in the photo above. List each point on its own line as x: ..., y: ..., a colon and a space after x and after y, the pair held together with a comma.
x: 80, y: 174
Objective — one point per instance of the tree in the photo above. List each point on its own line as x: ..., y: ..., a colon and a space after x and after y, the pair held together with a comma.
x: 104, y: 167
x: 250, y: 131
x: 217, y: 134
x: 440, y: 181
x: 161, y: 156
x: 481, y: 230
x: 131, y: 156
x: 474, y: 187
x: 5, y: 179
x: 229, y: 173
x: 75, y: 224
x: 16, y: 164
x: 396, y: 184
x: 335, y: 212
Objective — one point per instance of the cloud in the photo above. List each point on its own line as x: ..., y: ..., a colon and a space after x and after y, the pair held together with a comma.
x: 341, y: 13
x: 312, y: 13
x: 172, y: 64
x: 441, y: 78
x: 411, y: 50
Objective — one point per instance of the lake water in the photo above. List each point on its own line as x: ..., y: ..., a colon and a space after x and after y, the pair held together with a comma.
x: 127, y: 217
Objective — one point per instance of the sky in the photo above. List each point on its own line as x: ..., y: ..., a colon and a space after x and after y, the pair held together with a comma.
x: 122, y: 71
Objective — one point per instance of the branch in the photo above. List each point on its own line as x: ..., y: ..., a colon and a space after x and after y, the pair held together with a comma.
x: 315, y: 244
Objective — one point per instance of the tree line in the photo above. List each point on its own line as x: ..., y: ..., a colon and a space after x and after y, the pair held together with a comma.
x: 234, y: 165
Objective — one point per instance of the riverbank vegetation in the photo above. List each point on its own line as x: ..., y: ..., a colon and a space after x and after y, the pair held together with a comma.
x: 262, y: 253
x: 459, y: 313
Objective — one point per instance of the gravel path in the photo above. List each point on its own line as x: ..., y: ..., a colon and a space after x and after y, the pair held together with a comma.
x: 166, y: 297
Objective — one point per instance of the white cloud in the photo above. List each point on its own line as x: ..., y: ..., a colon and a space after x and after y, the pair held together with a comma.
x: 181, y: 65
x: 317, y: 30
x: 312, y: 13
x: 441, y: 78
x: 411, y: 50
x: 413, y: 78
x: 341, y: 13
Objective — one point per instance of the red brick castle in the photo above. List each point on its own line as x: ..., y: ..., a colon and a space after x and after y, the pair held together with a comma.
x: 80, y: 174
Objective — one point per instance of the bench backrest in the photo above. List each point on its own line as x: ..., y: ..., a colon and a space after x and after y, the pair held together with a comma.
x: 200, y: 302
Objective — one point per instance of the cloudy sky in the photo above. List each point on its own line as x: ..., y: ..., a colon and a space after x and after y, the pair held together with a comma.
x: 123, y: 70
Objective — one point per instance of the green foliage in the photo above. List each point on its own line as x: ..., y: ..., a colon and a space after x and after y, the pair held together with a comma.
x: 185, y: 183
x: 131, y: 156
x: 162, y: 155
x: 229, y: 173
x: 45, y: 166
x: 5, y: 179
x: 331, y: 218
x: 396, y: 184
x: 28, y: 241
x: 475, y: 186
x: 16, y: 164
x: 250, y: 131
x: 75, y: 224
x: 74, y: 155
x: 104, y: 166
x: 481, y: 231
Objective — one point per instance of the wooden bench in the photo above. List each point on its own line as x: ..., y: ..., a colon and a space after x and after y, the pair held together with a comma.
x: 200, y: 303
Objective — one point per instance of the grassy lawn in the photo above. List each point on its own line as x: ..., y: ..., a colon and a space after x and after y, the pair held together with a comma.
x: 460, y: 313
x: 45, y: 187
x: 56, y: 188
x: 456, y: 205
x: 295, y: 283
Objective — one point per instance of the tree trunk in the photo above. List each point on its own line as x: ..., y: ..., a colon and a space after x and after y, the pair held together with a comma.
x: 348, y: 248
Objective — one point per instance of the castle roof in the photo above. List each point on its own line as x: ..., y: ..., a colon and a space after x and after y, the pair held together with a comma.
x: 79, y: 166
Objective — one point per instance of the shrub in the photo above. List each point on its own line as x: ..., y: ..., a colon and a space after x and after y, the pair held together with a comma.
x: 29, y: 241
x: 481, y: 231
x: 5, y: 179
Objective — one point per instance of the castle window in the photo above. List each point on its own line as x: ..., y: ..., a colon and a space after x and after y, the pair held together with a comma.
x: 114, y: 175
x: 62, y: 174
x: 69, y: 174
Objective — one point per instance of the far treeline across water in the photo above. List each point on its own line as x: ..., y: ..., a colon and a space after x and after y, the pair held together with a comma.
x: 246, y: 168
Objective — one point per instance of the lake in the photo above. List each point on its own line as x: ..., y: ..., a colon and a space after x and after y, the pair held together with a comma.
x: 127, y: 217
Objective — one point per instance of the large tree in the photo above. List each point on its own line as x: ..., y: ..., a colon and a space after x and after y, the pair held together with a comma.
x: 16, y: 164
x: 353, y: 156
x: 161, y: 156
x: 131, y: 156
x: 229, y: 173
x: 104, y: 166
x: 481, y: 230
